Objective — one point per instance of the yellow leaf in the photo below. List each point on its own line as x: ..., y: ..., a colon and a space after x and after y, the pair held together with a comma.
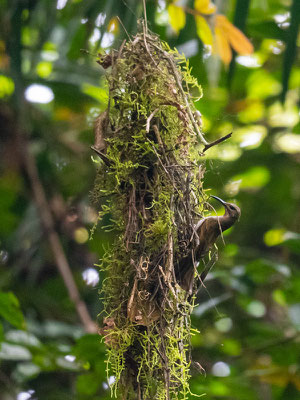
x: 113, y: 25
x: 7, y: 86
x: 44, y: 69
x: 205, y: 6
x: 223, y: 47
x: 236, y: 38
x: 176, y: 17
x: 203, y: 30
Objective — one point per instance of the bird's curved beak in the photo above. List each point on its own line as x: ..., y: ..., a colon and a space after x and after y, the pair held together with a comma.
x: 220, y: 200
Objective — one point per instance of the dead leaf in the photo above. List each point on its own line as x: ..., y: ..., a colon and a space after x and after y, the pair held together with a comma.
x: 222, y: 46
x: 239, y: 42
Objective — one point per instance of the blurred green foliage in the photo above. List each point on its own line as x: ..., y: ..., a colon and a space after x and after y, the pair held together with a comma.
x: 248, y: 314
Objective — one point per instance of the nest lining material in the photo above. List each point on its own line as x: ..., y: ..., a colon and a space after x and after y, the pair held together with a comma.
x: 150, y: 185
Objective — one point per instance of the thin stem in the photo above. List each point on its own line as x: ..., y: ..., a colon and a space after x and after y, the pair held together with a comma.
x: 145, y: 14
x: 14, y: 51
x: 54, y: 241
x: 123, y: 26
x: 220, y: 140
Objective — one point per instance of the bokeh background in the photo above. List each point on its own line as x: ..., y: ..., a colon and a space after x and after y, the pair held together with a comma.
x: 50, y: 92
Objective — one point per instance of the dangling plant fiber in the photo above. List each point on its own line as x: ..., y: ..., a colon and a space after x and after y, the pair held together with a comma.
x: 149, y: 186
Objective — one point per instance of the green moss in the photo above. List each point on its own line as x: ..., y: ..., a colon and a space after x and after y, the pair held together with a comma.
x: 150, y: 188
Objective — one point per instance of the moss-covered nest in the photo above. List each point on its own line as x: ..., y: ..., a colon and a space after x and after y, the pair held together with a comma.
x: 149, y: 185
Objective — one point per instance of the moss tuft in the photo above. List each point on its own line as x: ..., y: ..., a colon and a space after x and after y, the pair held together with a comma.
x: 149, y: 188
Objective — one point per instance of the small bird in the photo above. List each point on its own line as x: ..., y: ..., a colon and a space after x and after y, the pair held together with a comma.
x: 207, y: 230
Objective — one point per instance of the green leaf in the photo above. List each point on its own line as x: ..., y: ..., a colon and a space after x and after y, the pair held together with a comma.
x: 89, y: 348
x: 231, y: 347
x: 78, y: 42
x: 254, y: 178
x: 27, y: 370
x: 88, y: 384
x: 14, y: 352
x: 267, y: 29
x: 22, y: 337
x: 10, y: 310
x: 292, y: 241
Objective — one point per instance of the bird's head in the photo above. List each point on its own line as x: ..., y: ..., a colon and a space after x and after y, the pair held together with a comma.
x: 231, y: 210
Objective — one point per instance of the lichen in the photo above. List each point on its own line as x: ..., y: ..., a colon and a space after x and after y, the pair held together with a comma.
x: 149, y: 187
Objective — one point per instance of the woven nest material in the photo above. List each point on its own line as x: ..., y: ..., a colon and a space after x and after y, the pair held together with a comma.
x: 149, y: 185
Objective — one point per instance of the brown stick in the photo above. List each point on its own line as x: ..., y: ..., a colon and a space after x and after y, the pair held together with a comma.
x: 209, y: 145
x: 149, y: 120
x: 101, y: 155
x: 145, y: 14
x: 54, y: 241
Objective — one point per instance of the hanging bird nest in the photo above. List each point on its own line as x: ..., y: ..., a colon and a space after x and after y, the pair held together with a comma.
x: 149, y: 186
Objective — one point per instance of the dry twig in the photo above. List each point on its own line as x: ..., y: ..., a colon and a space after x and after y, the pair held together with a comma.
x: 54, y: 241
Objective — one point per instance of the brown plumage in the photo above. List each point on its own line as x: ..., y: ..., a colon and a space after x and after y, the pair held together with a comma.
x: 207, y: 230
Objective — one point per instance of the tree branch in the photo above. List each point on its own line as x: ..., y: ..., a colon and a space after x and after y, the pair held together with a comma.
x: 14, y: 47
x: 54, y: 241
x: 220, y: 140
